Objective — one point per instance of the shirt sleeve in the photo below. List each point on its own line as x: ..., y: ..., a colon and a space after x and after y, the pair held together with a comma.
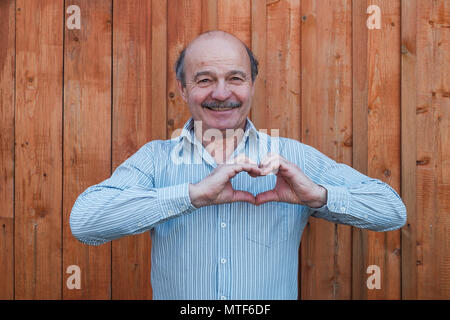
x: 353, y: 198
x: 127, y: 203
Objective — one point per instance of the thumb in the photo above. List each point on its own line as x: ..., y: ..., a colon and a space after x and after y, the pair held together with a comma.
x: 266, y: 196
x: 243, y: 196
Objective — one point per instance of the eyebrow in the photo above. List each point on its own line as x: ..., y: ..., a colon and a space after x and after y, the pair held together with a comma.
x: 209, y: 73
x: 239, y: 72
x: 202, y: 73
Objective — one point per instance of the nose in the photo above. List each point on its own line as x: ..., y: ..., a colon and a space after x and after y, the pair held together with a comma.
x: 221, y: 92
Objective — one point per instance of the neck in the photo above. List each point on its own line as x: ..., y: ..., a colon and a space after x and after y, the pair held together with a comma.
x: 221, y: 143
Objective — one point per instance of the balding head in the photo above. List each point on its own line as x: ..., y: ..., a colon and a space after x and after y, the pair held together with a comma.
x: 207, y: 40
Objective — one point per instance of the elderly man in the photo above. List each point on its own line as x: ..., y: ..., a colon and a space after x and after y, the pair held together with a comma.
x: 227, y: 227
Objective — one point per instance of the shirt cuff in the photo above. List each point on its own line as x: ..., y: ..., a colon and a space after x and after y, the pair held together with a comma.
x: 175, y: 200
x: 338, y: 199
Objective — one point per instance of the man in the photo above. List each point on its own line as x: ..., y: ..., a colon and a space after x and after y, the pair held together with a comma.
x: 226, y: 227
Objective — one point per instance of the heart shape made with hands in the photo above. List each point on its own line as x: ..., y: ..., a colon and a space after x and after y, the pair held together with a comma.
x: 292, y: 185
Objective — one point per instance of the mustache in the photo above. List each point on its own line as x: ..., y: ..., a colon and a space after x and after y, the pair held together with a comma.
x: 221, y: 104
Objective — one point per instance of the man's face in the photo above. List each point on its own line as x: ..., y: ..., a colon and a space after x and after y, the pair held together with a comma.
x: 218, y: 76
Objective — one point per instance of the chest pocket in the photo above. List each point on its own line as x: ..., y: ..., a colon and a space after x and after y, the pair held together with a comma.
x: 271, y: 223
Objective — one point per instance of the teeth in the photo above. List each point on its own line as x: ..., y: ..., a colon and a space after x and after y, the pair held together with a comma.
x: 222, y: 109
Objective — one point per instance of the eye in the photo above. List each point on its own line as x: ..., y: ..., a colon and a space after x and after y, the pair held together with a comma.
x: 204, y: 81
x: 236, y: 79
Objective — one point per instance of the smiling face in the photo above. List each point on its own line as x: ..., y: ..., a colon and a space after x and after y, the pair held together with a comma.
x: 219, y: 86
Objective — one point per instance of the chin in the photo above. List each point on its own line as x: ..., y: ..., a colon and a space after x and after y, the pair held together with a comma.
x: 222, y: 123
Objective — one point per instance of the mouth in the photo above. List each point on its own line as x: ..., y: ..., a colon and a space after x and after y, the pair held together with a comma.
x: 221, y: 106
x: 220, y: 109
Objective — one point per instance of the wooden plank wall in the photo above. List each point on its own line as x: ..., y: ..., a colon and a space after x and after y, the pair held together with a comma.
x: 74, y: 104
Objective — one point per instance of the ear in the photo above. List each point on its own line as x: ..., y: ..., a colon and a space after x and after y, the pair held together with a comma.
x: 182, y: 91
x: 253, y: 88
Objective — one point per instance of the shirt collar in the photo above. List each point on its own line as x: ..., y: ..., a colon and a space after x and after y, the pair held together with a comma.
x: 187, y: 133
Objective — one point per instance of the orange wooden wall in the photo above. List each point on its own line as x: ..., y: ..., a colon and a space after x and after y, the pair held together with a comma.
x: 74, y: 104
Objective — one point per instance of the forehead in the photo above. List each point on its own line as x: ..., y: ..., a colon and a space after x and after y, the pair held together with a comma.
x: 216, y: 54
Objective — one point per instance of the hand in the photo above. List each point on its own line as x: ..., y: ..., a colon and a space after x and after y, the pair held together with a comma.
x: 216, y: 188
x: 292, y: 185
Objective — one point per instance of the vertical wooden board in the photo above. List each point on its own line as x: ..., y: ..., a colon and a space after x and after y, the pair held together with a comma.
x: 7, y: 76
x: 234, y: 16
x: 283, y: 71
x: 38, y: 150
x: 259, y: 46
x: 159, y: 69
x: 132, y: 128
x: 360, y: 133
x: 442, y: 85
x: 408, y: 138
x: 209, y: 15
x: 326, y: 125
x: 183, y: 25
x: 433, y: 244
x: 87, y: 138
x: 383, y: 249
x: 359, y: 88
x: 277, y: 97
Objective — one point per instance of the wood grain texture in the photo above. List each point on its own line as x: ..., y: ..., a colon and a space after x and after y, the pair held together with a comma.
x: 433, y: 151
x: 283, y: 72
x: 87, y: 138
x: 185, y: 23
x: 74, y: 104
x: 159, y: 69
x: 132, y: 128
x: 409, y: 148
x: 7, y: 77
x: 209, y: 15
x: 258, y: 113
x: 360, y: 133
x: 235, y: 17
x: 383, y: 249
x: 38, y: 150
x: 326, y: 125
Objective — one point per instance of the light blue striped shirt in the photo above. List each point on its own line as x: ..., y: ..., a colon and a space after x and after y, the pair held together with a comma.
x: 233, y: 250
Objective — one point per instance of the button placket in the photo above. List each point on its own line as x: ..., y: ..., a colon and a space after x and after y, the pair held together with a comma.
x: 224, y: 251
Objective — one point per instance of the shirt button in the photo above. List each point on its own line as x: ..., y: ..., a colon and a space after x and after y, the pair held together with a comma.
x: 223, y: 298
x: 343, y: 209
x: 170, y: 212
x: 223, y: 260
x: 223, y: 225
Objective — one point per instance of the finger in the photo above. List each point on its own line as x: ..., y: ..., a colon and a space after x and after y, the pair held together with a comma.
x: 249, y: 168
x: 271, y: 168
x: 271, y: 165
x: 278, y: 164
x: 241, y: 158
x: 268, y: 158
x: 243, y: 196
x: 266, y: 196
x: 252, y: 170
